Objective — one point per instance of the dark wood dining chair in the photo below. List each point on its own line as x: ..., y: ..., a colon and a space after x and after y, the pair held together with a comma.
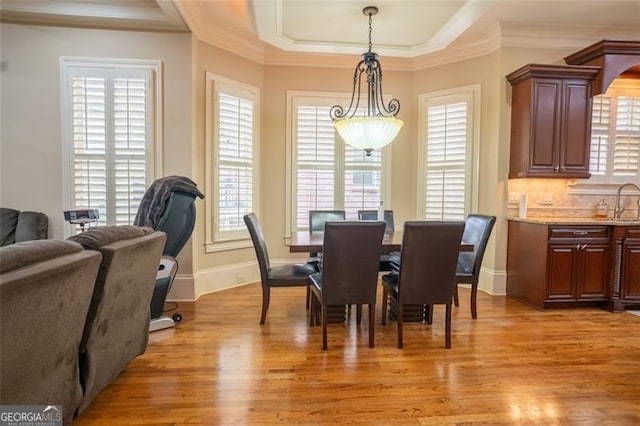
x: 349, y: 275
x: 317, y: 219
x: 427, y: 271
x: 385, y: 258
x: 288, y: 275
x: 477, y: 231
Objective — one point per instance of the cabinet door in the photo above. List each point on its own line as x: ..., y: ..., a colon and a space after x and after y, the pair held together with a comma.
x: 593, y: 271
x: 630, y: 271
x: 545, y: 126
x: 575, y: 133
x: 560, y: 272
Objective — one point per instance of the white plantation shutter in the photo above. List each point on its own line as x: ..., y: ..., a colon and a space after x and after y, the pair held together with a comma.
x: 326, y: 173
x: 110, y: 157
x: 235, y: 156
x: 362, y: 181
x: 627, y: 138
x: 232, y: 121
x: 315, y: 159
x: 600, y: 122
x: 131, y: 155
x: 615, y: 138
x: 445, y: 160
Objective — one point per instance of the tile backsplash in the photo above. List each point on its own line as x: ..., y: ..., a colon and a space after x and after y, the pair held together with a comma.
x: 549, y: 198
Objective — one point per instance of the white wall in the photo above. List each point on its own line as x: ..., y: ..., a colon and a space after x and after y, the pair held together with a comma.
x: 30, y: 126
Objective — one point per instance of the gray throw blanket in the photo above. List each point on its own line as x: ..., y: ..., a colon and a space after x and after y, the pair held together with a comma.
x: 155, y: 199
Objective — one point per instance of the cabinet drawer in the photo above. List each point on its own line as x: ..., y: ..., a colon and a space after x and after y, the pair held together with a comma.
x: 574, y: 232
x: 632, y: 233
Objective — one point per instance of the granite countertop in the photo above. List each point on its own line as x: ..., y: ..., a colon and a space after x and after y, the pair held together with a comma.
x: 552, y: 220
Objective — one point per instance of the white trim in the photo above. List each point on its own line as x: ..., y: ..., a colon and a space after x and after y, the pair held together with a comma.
x: 182, y: 289
x: 493, y: 282
x: 188, y: 288
x: 473, y: 165
x: 156, y: 128
x: 227, y: 245
x: 294, y: 97
x: 236, y: 239
x: 225, y: 277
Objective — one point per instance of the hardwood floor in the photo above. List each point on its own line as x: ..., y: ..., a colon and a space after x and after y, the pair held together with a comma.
x: 513, y: 365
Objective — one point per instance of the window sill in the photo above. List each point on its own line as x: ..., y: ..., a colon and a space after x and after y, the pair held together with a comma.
x: 219, y: 246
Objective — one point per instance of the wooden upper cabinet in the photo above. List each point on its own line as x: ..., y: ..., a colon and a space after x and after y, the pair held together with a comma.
x: 551, y: 120
x: 615, y: 58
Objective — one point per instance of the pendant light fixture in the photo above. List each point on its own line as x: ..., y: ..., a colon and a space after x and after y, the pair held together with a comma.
x: 379, y: 126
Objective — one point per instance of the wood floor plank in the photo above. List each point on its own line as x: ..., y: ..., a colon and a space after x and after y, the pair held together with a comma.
x: 513, y: 365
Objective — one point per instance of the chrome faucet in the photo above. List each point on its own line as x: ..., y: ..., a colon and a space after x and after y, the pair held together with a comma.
x: 619, y: 209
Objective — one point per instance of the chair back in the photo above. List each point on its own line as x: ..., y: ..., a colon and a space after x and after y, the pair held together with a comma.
x: 477, y: 231
x: 373, y: 215
x: 177, y: 221
x: 428, y: 261
x: 168, y: 206
x: 317, y: 218
x: 251, y: 220
x: 351, y: 254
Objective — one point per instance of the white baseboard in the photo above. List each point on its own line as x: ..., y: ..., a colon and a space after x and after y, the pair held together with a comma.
x: 493, y: 282
x: 182, y: 289
x: 191, y: 287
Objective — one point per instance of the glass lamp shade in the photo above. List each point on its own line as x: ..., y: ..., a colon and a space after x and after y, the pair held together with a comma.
x: 368, y: 133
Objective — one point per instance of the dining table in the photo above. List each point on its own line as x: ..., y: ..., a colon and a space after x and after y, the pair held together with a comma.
x: 309, y: 242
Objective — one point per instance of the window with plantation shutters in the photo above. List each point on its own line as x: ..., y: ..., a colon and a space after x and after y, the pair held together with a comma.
x: 325, y: 173
x: 448, y: 129
x: 232, y: 144
x: 108, y: 118
x: 615, y: 135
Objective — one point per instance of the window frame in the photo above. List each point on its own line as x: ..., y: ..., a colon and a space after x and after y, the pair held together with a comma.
x: 295, y: 98
x: 155, y: 127
x: 473, y: 94
x: 227, y: 240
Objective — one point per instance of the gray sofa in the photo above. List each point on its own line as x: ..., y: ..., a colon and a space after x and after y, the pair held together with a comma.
x: 17, y: 226
x: 71, y: 318
x: 117, y: 326
x: 45, y: 293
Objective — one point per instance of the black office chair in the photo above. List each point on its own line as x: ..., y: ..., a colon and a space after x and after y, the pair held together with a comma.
x: 427, y: 271
x: 386, y: 258
x: 477, y: 231
x: 350, y: 256
x: 288, y: 275
x: 168, y: 205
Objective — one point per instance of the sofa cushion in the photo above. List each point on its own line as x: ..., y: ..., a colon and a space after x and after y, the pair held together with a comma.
x: 26, y: 253
x: 32, y: 226
x: 8, y: 222
x: 95, y: 238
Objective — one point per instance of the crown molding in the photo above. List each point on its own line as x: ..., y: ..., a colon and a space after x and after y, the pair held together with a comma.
x: 500, y: 35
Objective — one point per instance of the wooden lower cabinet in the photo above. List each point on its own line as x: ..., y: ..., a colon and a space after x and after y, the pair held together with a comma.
x: 577, y: 271
x: 553, y: 265
x: 626, y: 261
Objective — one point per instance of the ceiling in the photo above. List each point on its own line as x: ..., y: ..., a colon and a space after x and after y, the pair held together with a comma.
x: 272, y: 30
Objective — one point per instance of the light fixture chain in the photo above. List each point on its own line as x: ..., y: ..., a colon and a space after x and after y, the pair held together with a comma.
x: 370, y: 45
